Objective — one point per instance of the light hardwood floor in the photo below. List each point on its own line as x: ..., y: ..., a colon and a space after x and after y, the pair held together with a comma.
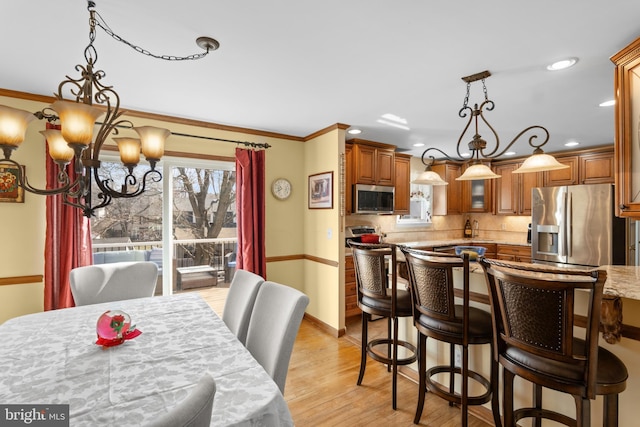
x: 321, y: 385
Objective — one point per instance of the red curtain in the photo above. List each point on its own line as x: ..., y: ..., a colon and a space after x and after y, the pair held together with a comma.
x: 250, y: 208
x: 67, y: 241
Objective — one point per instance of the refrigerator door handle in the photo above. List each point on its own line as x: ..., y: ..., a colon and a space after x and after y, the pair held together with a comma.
x: 568, y: 228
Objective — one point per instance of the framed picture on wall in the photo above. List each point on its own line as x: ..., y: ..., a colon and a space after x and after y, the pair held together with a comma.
x: 10, y: 191
x: 321, y: 191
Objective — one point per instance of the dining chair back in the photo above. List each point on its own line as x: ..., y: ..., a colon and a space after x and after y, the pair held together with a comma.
x: 536, y: 321
x: 273, y: 328
x: 239, y: 302
x: 116, y: 281
x: 379, y: 295
x: 194, y: 411
x: 437, y: 315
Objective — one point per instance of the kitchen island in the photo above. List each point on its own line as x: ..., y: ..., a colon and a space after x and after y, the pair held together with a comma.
x: 622, y: 300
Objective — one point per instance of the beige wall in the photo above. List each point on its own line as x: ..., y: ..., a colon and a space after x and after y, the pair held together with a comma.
x: 22, y: 251
x: 323, y: 234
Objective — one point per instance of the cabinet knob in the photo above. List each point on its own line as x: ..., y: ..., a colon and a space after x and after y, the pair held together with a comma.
x: 623, y: 207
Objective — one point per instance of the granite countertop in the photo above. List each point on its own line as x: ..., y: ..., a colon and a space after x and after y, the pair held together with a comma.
x: 461, y: 242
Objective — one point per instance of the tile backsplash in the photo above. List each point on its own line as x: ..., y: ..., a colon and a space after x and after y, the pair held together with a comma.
x: 492, y: 227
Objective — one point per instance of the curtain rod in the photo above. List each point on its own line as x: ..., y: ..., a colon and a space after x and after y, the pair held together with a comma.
x: 52, y: 117
x: 245, y: 143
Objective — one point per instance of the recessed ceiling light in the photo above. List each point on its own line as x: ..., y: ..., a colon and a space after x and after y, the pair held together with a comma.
x: 571, y: 144
x: 466, y: 154
x: 510, y: 153
x: 354, y: 131
x: 563, y: 64
x: 418, y: 144
x: 608, y: 103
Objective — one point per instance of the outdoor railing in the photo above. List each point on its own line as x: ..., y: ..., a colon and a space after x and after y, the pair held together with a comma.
x: 189, y: 255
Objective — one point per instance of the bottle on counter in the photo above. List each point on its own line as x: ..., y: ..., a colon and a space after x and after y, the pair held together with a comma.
x: 468, y: 232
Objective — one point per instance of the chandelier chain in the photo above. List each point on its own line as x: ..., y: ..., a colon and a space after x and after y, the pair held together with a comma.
x: 100, y: 22
x: 466, y: 98
x: 484, y: 89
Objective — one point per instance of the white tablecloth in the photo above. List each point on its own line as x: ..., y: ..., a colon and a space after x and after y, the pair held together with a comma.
x: 51, y: 357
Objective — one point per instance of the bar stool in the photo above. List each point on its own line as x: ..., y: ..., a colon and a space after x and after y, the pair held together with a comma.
x: 436, y: 315
x: 376, y: 298
x: 534, y: 319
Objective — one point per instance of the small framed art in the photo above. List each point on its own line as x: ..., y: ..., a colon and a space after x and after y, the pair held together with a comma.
x: 10, y: 191
x: 321, y: 191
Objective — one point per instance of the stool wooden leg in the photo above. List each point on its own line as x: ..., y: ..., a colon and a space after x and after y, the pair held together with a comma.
x: 583, y: 412
x: 610, y: 410
x: 537, y: 403
x: 422, y: 375
x: 495, y: 395
x: 452, y: 363
x: 507, y: 398
x: 365, y: 343
x: 464, y: 394
x: 394, y: 362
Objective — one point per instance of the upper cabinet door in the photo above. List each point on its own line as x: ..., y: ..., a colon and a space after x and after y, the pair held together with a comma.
x: 374, y: 164
x: 627, y: 142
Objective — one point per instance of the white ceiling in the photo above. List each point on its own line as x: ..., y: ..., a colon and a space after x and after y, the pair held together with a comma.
x: 295, y: 67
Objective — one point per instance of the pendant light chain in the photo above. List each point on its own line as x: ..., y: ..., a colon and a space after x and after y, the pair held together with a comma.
x: 100, y: 22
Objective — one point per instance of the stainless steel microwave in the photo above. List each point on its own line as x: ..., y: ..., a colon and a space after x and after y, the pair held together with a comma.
x: 373, y: 199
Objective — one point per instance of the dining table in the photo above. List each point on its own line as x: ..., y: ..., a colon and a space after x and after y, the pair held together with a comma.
x: 52, y: 358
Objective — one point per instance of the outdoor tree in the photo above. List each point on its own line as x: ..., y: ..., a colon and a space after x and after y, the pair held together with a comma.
x: 210, y: 194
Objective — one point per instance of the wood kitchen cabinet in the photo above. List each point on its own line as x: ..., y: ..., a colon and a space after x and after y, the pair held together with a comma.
x: 519, y: 253
x: 350, y: 293
x: 512, y: 192
x: 568, y: 176
x: 447, y: 198
x: 626, y: 84
x: 476, y: 195
x: 373, y: 163
x: 402, y: 173
x: 593, y: 166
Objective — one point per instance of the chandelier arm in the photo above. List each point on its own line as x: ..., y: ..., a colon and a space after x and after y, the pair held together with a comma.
x: 532, y: 138
x: 65, y: 184
x: 463, y: 113
x: 432, y: 158
x: 489, y: 105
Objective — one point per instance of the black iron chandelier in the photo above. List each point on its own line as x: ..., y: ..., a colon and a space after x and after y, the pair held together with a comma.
x: 89, y: 100
x: 480, y: 156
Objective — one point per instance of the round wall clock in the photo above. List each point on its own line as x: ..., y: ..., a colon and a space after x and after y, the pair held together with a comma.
x: 281, y: 188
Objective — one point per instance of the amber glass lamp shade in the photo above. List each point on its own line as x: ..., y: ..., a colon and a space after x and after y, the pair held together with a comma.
x: 152, y: 141
x: 13, y: 125
x: 59, y: 150
x: 477, y: 171
x: 129, y: 149
x: 540, y: 162
x: 77, y: 121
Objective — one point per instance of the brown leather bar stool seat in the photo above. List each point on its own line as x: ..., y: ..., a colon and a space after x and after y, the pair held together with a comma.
x: 534, y: 317
x: 436, y: 315
x: 377, y: 298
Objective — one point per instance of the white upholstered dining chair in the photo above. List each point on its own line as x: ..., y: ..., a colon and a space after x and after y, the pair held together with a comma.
x: 194, y: 411
x: 239, y: 302
x: 93, y: 284
x: 275, y: 320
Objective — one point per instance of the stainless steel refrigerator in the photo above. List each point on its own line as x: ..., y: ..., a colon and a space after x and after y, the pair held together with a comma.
x: 575, y: 226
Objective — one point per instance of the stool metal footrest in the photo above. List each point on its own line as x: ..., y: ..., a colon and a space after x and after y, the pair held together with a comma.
x: 388, y: 360
x: 453, y: 397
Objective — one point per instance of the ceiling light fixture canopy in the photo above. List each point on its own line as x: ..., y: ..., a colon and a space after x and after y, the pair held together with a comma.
x: 478, y: 169
x: 89, y: 99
